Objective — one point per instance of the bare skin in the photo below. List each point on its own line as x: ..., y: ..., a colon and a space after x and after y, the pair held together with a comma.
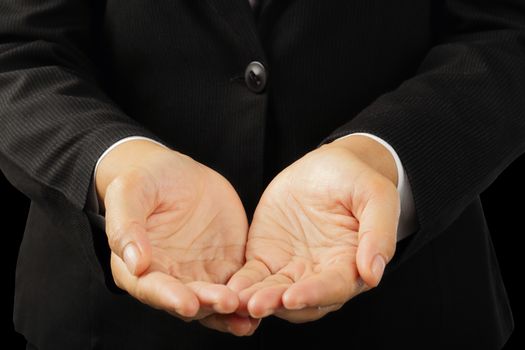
x: 177, y: 231
x: 322, y: 233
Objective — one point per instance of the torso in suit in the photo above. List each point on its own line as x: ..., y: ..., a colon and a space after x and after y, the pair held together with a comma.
x: 441, y: 81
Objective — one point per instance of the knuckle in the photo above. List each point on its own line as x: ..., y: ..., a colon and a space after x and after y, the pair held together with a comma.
x: 380, y: 187
x: 125, y: 183
x: 116, y: 187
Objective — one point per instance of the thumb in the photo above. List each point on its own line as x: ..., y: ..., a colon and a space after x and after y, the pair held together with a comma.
x: 126, y: 214
x: 378, y: 222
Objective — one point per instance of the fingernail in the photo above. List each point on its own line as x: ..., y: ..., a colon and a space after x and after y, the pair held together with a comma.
x: 131, y: 257
x: 378, y: 267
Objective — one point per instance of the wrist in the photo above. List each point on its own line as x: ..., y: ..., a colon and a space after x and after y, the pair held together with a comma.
x: 372, y: 153
x: 121, y: 160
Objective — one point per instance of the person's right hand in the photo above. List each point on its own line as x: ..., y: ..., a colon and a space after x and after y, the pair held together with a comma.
x: 177, y: 231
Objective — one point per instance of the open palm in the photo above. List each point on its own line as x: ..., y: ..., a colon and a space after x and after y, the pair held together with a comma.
x: 187, y: 228
x: 305, y: 251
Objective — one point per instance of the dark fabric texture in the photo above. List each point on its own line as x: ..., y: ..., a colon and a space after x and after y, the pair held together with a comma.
x: 442, y: 81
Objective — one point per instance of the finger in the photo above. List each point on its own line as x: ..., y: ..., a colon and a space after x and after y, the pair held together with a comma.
x: 265, y: 301
x: 307, y: 314
x: 126, y: 214
x: 263, y: 298
x: 329, y: 287
x: 234, y: 324
x: 377, y: 233
x: 215, y: 297
x: 252, y: 272
x: 156, y: 289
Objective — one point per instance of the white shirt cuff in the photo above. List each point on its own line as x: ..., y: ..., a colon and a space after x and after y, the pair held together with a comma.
x: 407, y: 219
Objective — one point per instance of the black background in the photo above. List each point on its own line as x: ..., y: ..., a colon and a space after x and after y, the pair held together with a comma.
x: 505, y: 221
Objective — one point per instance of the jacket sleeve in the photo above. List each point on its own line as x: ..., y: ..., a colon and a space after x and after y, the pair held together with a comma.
x: 460, y: 120
x: 55, y: 118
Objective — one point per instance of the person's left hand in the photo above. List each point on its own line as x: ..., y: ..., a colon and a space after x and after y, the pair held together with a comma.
x: 322, y: 232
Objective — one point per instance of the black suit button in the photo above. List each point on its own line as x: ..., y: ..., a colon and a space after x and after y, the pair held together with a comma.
x: 255, y: 76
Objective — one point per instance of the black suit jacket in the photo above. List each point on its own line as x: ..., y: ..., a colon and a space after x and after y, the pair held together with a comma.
x: 442, y: 81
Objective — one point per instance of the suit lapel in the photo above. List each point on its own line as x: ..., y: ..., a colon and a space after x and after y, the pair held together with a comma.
x: 269, y: 12
x: 236, y: 17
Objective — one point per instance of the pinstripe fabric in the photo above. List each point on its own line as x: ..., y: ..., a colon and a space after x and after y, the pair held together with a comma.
x: 442, y: 81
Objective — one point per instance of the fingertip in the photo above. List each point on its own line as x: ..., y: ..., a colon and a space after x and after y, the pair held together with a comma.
x: 239, y: 283
x: 233, y: 324
x: 266, y: 301
x: 370, y: 262
x: 145, y: 252
x: 372, y: 274
x: 254, y: 324
x: 241, y: 328
x: 244, y: 298
x: 364, y: 269
x: 130, y: 242
x: 291, y: 301
x: 259, y: 312
x: 228, y: 304
x: 253, y: 308
x: 131, y: 257
x: 251, y: 273
x: 378, y: 268
x: 257, y: 309
x: 188, y: 308
x: 137, y: 257
x: 217, y: 297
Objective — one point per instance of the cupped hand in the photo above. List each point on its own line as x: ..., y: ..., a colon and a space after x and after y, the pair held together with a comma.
x: 177, y: 231
x: 322, y: 232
